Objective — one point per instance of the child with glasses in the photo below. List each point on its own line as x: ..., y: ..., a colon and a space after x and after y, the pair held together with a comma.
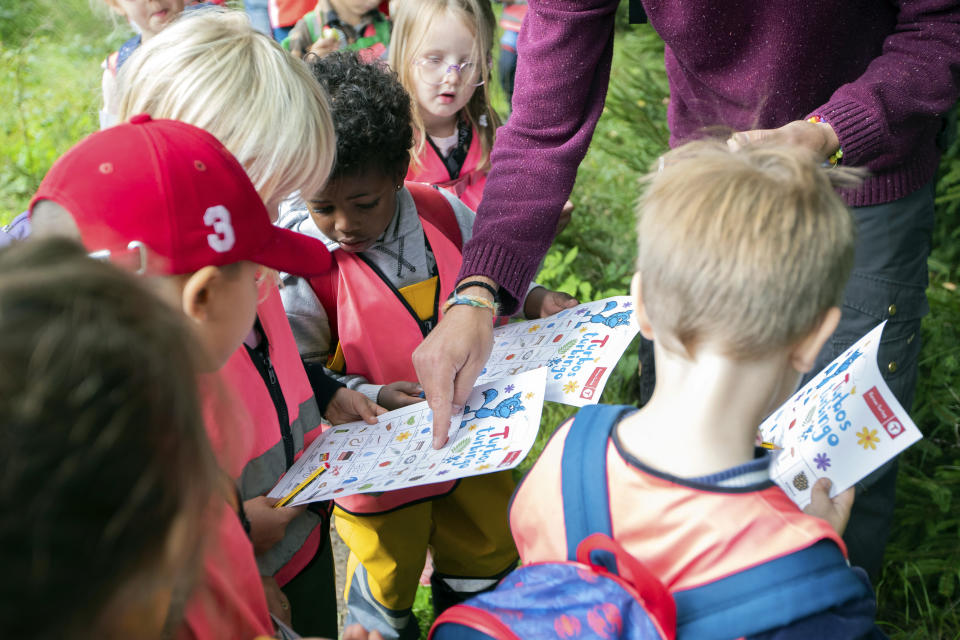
x: 397, y: 251
x: 441, y: 50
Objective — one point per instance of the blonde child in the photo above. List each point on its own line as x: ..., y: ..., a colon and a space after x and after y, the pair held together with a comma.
x: 169, y: 200
x: 742, y: 260
x: 397, y: 252
x: 441, y: 51
x: 98, y: 523
x: 148, y: 18
x: 214, y: 70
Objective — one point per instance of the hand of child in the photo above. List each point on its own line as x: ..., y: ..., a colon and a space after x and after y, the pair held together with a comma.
x: 323, y: 46
x: 300, y: 39
x: 542, y: 302
x: 348, y: 405
x: 277, y: 601
x: 268, y: 525
x: 399, y: 394
x: 566, y: 213
x: 836, y: 511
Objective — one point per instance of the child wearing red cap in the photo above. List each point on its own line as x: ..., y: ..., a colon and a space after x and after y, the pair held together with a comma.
x: 167, y: 199
x: 213, y: 70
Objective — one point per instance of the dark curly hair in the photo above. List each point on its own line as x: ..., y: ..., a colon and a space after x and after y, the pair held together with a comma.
x: 371, y: 114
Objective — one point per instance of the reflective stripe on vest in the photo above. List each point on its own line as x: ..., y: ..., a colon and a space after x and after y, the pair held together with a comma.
x: 388, y: 327
x: 265, y: 459
x: 468, y: 186
x: 686, y: 536
x: 512, y: 17
x: 285, y: 13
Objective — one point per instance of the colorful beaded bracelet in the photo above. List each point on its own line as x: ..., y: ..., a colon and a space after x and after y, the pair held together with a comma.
x: 837, y: 156
x: 473, y: 301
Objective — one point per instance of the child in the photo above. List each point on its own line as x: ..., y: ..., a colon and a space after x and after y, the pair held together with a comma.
x: 397, y: 252
x: 170, y: 198
x: 356, y: 25
x: 743, y: 257
x: 102, y: 429
x: 213, y: 70
x: 148, y: 18
x: 441, y: 52
x: 510, y: 21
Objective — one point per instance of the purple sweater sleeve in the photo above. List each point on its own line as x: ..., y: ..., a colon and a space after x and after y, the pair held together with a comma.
x: 565, y: 49
x: 897, y: 103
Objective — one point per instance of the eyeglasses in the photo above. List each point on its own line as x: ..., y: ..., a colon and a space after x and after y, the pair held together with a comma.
x: 434, y: 70
x: 134, y: 257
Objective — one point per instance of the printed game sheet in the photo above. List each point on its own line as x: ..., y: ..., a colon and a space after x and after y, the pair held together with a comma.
x: 495, y: 432
x: 843, y: 424
x: 579, y: 347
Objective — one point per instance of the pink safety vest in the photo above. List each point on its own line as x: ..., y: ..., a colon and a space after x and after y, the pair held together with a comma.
x: 285, y: 13
x: 265, y: 459
x: 228, y: 601
x: 468, y: 186
x: 685, y: 536
x: 379, y: 347
x: 512, y: 17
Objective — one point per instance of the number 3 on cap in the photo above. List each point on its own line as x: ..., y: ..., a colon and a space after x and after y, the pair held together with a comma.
x: 218, y: 218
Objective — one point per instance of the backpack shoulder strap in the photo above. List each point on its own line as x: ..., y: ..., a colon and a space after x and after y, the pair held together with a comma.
x: 434, y: 207
x: 770, y: 595
x: 583, y: 470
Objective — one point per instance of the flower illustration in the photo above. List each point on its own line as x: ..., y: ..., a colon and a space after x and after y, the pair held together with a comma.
x: 508, y: 389
x: 403, y: 436
x: 529, y: 395
x: 822, y: 461
x: 627, y: 305
x: 570, y: 387
x: 867, y: 438
x: 533, y: 328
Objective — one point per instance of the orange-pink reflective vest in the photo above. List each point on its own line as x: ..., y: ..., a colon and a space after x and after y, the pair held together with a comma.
x: 377, y: 332
x: 686, y: 536
x: 468, y: 186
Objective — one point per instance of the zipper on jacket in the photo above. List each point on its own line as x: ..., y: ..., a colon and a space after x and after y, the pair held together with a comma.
x: 424, y: 326
x: 260, y: 355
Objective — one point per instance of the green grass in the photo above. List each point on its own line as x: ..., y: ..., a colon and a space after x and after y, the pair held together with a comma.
x: 50, y: 53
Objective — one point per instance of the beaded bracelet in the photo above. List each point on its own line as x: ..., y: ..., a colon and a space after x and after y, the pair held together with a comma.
x: 837, y: 156
x: 473, y: 301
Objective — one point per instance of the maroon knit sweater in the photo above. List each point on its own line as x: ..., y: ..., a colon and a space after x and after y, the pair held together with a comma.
x: 882, y: 73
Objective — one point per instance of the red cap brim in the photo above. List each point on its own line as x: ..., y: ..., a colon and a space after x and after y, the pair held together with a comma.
x: 295, y: 253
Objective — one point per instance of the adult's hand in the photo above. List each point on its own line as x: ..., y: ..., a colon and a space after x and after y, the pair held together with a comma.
x: 451, y: 358
x: 816, y: 136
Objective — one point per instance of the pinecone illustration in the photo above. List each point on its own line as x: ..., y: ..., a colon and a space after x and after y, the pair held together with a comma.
x: 800, y: 481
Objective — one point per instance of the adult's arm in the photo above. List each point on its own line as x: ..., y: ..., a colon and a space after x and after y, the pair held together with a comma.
x: 565, y: 49
x: 895, y: 107
x: 898, y: 102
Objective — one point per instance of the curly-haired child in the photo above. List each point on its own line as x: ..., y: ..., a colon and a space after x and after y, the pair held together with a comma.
x: 397, y: 253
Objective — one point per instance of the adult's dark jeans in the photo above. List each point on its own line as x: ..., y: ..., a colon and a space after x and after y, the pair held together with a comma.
x: 889, y: 283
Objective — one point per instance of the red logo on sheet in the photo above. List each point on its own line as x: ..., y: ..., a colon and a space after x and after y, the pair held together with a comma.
x: 590, y: 387
x: 883, y: 412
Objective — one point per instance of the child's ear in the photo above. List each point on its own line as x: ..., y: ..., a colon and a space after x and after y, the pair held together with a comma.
x: 636, y: 292
x: 195, y: 298
x: 402, y: 169
x: 804, y: 354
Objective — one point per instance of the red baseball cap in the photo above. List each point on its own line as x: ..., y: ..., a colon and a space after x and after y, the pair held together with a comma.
x: 174, y: 188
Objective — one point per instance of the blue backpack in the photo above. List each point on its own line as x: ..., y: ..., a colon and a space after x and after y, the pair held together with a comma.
x: 602, y: 592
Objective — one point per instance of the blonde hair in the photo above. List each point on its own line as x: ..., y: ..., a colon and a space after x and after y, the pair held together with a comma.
x: 411, y: 21
x: 743, y: 250
x: 211, y: 69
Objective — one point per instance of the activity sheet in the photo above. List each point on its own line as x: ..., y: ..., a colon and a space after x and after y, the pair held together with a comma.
x: 495, y: 432
x: 843, y: 424
x: 579, y: 347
